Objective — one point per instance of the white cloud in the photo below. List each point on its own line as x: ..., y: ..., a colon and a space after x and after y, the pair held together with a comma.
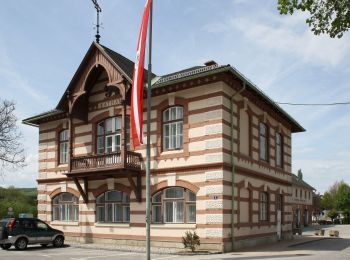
x: 287, y: 34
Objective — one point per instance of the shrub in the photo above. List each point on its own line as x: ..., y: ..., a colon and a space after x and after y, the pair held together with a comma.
x: 191, y: 240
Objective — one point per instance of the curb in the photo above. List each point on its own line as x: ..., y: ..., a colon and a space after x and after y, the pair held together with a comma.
x: 307, y: 242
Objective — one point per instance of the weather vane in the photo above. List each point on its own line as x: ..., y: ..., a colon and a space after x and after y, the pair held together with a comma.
x: 98, y: 10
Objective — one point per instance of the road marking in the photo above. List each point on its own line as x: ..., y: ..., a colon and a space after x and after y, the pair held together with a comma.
x: 103, y: 256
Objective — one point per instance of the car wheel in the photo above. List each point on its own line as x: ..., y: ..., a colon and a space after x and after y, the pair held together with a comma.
x: 58, y: 241
x: 6, y: 246
x: 21, y: 243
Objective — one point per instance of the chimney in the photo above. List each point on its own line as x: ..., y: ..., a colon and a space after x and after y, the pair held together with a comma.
x: 210, y: 63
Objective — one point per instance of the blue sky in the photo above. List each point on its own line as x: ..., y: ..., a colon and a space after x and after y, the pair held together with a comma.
x: 43, y: 42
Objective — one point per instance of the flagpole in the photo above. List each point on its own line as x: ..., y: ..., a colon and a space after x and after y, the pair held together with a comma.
x: 148, y: 152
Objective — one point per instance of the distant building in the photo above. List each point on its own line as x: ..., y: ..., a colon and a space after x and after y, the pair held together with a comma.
x: 220, y: 158
x: 302, y: 202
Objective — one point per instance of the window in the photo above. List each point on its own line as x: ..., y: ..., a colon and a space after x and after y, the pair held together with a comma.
x: 263, y: 142
x: 279, y: 205
x: 296, y: 192
x: 65, y: 207
x: 263, y: 206
x: 113, y: 207
x: 279, y: 150
x: 109, y: 135
x: 173, y: 128
x: 64, y: 137
x: 174, y: 205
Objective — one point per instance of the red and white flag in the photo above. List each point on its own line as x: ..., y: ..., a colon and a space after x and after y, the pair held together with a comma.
x: 136, y: 117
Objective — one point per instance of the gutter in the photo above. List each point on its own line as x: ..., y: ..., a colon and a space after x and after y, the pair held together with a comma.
x: 233, y: 165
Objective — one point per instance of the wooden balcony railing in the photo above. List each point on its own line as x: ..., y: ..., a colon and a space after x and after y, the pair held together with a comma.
x: 106, y: 161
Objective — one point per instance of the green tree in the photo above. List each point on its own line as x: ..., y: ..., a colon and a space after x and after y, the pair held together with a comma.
x: 342, y: 198
x: 326, y: 16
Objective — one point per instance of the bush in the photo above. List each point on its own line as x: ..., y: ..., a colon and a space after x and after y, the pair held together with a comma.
x: 191, y: 240
x: 346, y: 221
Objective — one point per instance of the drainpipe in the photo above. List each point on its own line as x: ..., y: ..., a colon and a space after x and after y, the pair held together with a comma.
x: 233, y: 165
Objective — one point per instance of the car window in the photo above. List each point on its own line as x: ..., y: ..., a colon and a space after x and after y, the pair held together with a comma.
x: 26, y: 223
x: 41, y: 225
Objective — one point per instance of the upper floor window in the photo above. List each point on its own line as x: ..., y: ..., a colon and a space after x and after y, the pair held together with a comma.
x: 174, y: 205
x: 113, y: 206
x: 263, y: 133
x: 64, y: 138
x: 109, y: 135
x: 65, y: 207
x: 279, y: 150
x: 264, y: 206
x: 173, y: 128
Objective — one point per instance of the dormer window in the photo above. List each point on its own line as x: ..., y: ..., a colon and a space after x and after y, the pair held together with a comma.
x: 109, y: 135
x: 173, y: 128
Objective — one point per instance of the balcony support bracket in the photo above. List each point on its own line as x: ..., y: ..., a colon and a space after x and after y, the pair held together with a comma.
x: 83, y: 193
x: 136, y: 187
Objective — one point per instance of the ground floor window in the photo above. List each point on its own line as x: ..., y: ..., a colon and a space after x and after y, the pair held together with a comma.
x: 264, y: 206
x: 65, y: 207
x: 113, y: 207
x: 174, y: 205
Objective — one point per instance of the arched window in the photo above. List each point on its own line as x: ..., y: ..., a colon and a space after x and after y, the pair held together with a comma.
x: 63, y: 146
x: 113, y: 207
x: 173, y: 128
x: 65, y: 207
x: 264, y: 144
x: 174, y: 205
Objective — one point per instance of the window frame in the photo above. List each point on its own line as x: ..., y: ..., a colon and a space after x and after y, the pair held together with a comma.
x: 266, y: 142
x: 63, y: 141
x: 179, y: 137
x: 279, y: 150
x: 61, y: 211
x: 115, y: 135
x: 187, y: 200
x: 264, y: 207
x: 107, y: 204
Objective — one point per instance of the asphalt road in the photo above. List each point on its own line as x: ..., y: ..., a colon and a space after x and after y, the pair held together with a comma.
x: 323, y: 249
x: 326, y: 248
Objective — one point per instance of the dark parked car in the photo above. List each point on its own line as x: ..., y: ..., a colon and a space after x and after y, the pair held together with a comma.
x: 23, y: 231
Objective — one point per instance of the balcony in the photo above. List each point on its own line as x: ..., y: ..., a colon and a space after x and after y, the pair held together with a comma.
x: 106, y: 162
x: 115, y: 165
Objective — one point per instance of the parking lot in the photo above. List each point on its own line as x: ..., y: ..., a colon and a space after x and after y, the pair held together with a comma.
x: 307, y: 246
x: 74, y: 253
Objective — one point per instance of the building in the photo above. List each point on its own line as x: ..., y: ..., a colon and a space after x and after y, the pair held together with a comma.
x: 302, y: 202
x: 220, y: 158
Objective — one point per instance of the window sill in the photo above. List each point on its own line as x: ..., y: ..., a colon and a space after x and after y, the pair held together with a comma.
x: 64, y: 223
x: 172, y: 151
x: 174, y: 225
x: 116, y: 225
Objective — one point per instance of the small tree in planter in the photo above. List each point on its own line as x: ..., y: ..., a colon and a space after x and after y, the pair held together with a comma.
x: 191, y: 240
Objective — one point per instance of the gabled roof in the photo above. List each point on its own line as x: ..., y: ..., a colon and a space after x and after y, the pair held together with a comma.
x: 201, y: 71
x: 125, y: 66
x: 300, y: 182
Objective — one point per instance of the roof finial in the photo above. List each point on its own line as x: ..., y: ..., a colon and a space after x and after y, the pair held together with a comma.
x: 98, y: 10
